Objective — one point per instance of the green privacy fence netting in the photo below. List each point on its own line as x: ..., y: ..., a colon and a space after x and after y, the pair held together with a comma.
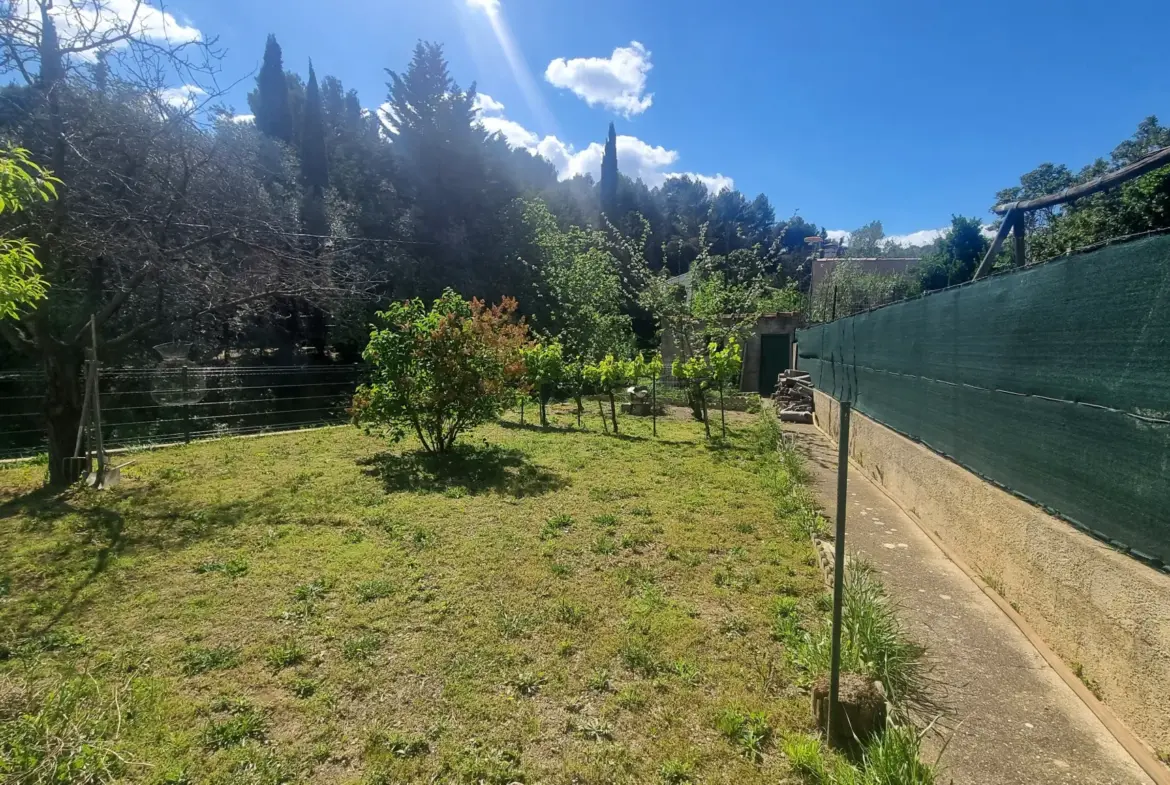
x: 1052, y: 381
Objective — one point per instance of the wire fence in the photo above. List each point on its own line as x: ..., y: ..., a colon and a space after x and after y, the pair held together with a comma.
x: 159, y: 405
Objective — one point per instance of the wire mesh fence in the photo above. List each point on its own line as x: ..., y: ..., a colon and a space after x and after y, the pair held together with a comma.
x: 159, y: 405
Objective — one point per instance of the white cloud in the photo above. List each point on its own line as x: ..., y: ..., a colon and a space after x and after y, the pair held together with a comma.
x: 485, y: 104
x: 921, y: 237
x: 79, y: 23
x: 910, y: 240
x: 242, y: 118
x: 183, y: 98
x: 489, y: 7
x: 490, y: 114
x: 617, y: 82
x: 636, y: 159
x: 714, y: 182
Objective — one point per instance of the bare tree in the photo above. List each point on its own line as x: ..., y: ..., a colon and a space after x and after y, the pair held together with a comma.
x: 164, y: 217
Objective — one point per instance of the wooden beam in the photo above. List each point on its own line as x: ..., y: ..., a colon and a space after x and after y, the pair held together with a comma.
x: 1009, y: 221
x: 1021, y: 249
x: 1154, y: 160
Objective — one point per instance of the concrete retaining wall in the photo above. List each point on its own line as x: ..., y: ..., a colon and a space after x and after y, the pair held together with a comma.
x: 1101, y: 611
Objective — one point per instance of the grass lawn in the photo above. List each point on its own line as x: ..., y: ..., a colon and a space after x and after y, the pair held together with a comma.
x: 546, y: 606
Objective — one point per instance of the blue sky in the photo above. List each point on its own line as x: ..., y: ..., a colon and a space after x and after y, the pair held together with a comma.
x: 847, y: 110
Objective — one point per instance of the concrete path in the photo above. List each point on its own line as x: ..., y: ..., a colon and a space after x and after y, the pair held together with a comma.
x: 1009, y: 717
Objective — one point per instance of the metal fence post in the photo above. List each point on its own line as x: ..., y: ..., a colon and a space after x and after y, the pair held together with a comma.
x: 185, y: 382
x: 839, y: 570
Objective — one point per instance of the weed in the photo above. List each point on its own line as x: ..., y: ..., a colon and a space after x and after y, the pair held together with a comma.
x: 561, y: 570
x: 807, y: 758
x: 607, y: 520
x: 64, y: 734
x: 784, y: 607
x: 894, y: 756
x: 235, y: 730
x: 312, y: 591
x: 593, y: 728
x: 642, y: 512
x: 194, y: 660
x: 639, y: 657
x: 734, y: 625
x: 566, y: 648
x: 750, y: 731
x: 302, y: 687
x: 362, y: 647
x: 568, y: 613
x: 485, y: 765
x: 368, y: 591
x: 353, y: 536
x: 730, y: 577
x: 604, y: 546
x: 1094, y: 686
x: 636, y: 541
x: 526, y: 683
x: 598, y: 681
x: 687, y: 557
x: 555, y: 525
x: 676, y: 772
x: 744, y: 527
x: 634, y: 577
x: 422, y: 538
x: 686, y: 671
x: 514, y: 625
x: 650, y: 598
x: 397, y: 745
x: 285, y: 655
x: 824, y: 602
x: 630, y: 698
x: 233, y: 568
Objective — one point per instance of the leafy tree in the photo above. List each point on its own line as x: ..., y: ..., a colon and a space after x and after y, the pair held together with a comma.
x: 314, y: 159
x: 609, y: 176
x: 443, y: 370
x: 544, y: 367
x: 270, y: 100
x: 22, y: 181
x: 867, y: 241
x: 957, y: 255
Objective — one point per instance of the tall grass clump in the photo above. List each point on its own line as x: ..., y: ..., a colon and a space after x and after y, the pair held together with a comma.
x: 873, y: 642
x: 784, y: 475
x: 890, y: 758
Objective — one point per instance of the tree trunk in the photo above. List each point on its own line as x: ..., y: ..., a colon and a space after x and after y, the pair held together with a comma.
x: 654, y: 404
x: 601, y: 412
x: 580, y: 409
x: 706, y: 414
x: 695, y: 399
x: 613, y: 411
x: 63, y: 399
x: 722, y: 414
x: 544, y: 396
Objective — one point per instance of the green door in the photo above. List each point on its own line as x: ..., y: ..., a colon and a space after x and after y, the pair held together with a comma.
x: 775, y: 351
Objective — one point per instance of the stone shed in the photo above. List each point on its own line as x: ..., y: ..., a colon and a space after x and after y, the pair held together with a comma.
x: 767, y: 351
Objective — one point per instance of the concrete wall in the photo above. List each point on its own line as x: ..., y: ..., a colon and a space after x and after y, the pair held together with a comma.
x: 1095, y: 607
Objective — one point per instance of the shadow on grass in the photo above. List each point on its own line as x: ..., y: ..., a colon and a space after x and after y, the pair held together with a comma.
x: 474, y: 469
x: 91, y: 530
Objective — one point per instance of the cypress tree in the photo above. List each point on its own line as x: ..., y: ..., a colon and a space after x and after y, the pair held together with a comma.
x: 314, y: 159
x: 609, y: 176
x: 269, y: 100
